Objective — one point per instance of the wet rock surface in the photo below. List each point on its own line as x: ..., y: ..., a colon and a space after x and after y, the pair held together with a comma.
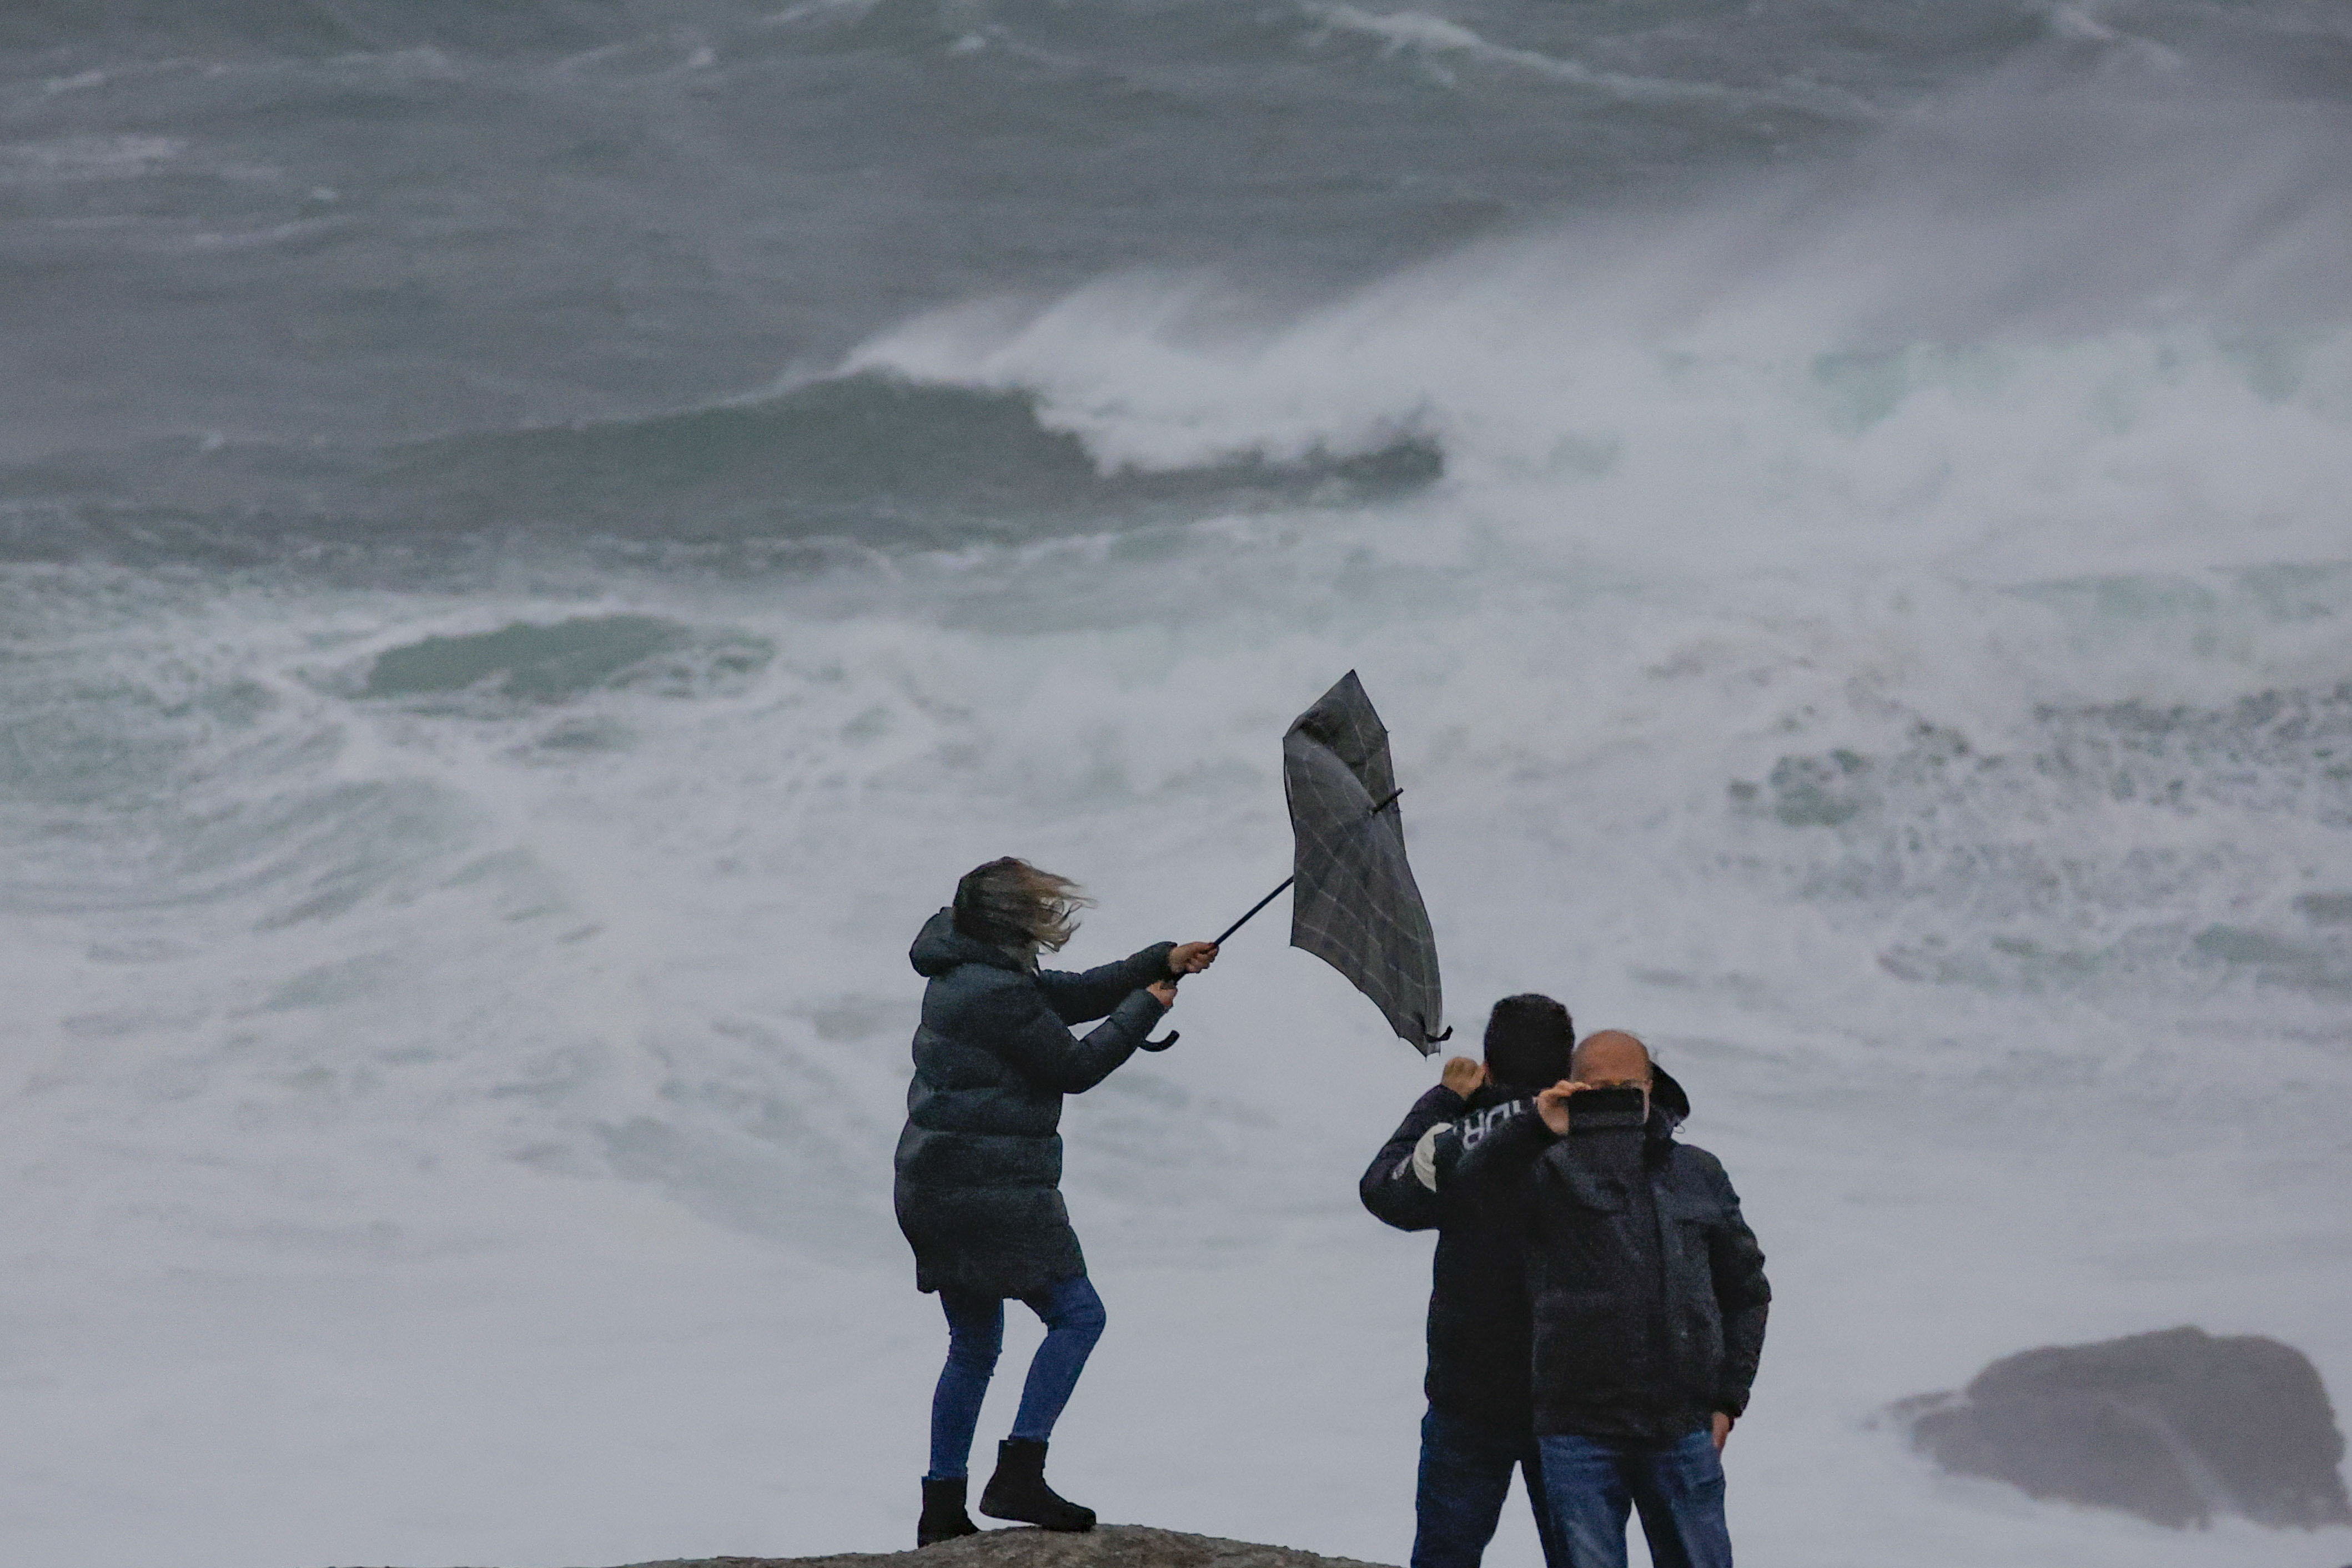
x: 1110, y: 1546
x: 2176, y: 1426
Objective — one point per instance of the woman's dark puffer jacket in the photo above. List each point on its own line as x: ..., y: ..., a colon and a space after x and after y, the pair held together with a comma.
x: 980, y: 1164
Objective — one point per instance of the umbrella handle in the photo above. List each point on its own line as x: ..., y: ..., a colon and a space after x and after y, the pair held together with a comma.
x: 1164, y: 1041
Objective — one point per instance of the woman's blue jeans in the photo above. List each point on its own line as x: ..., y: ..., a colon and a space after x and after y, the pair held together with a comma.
x: 1074, y: 1318
x: 1677, y: 1488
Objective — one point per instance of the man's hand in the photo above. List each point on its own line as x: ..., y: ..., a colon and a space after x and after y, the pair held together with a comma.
x: 1164, y: 992
x: 1191, y: 957
x: 1723, y: 1422
x: 1464, y: 1076
x: 1553, y: 1104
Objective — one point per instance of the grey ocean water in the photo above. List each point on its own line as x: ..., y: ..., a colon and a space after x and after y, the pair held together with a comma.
x: 535, y: 539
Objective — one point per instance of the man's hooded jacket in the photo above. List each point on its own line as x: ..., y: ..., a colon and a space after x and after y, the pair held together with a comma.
x: 980, y: 1164
x: 1481, y: 1334
x: 1645, y: 1287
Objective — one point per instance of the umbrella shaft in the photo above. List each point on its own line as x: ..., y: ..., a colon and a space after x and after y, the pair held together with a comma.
x: 1390, y: 801
x: 1253, y: 910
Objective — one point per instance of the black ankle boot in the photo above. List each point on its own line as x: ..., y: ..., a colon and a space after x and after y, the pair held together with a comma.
x: 1018, y: 1490
x: 943, y: 1515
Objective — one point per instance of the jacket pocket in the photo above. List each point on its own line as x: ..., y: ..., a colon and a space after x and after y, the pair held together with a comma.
x: 1690, y: 1219
x: 1694, y: 1319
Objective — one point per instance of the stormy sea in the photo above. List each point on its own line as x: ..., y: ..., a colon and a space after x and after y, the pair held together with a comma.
x: 537, y: 540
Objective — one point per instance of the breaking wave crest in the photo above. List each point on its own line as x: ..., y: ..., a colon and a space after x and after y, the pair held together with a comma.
x: 871, y: 460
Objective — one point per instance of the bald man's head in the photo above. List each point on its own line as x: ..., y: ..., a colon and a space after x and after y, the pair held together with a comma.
x: 1610, y: 1060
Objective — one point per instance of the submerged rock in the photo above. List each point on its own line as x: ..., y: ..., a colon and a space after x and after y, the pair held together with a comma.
x: 2175, y: 1427
x: 1110, y: 1546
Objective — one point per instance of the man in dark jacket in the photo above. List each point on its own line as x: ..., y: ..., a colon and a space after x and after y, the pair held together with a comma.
x: 1478, y: 1427
x: 1648, y: 1301
x: 980, y: 1164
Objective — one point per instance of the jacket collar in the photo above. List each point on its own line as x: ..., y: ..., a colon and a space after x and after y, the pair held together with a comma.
x: 940, y: 948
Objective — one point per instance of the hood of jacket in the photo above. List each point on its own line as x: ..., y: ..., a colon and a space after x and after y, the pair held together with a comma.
x: 1667, y: 1096
x: 939, y: 948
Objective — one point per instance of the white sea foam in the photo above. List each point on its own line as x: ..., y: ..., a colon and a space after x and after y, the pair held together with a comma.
x: 1871, y: 363
x: 1421, y: 34
x: 497, y: 1108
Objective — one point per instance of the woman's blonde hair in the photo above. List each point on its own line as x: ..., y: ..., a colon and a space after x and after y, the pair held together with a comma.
x: 1011, y: 903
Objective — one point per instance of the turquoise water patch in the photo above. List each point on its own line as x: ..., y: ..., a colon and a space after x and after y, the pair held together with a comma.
x: 527, y: 662
x: 540, y: 663
x: 588, y: 735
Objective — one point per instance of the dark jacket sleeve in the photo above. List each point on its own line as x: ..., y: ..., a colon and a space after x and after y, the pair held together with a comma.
x: 1743, y: 1296
x: 1390, y: 1189
x: 1503, y: 1156
x: 1040, y: 1047
x: 1081, y: 998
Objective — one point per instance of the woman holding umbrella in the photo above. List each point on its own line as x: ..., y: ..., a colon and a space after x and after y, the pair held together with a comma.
x: 980, y: 1163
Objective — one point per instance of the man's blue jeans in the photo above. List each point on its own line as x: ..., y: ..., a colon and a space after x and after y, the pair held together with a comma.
x: 1073, y: 1321
x: 1465, y: 1475
x: 1678, y: 1490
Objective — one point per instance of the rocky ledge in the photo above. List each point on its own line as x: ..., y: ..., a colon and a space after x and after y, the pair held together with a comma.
x: 1111, y: 1546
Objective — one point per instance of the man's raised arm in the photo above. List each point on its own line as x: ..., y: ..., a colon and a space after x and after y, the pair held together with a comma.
x: 1400, y: 1186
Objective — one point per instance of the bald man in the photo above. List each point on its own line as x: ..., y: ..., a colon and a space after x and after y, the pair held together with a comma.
x: 1648, y: 1300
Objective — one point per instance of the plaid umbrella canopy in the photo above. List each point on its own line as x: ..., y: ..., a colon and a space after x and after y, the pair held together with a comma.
x: 1356, y: 905
x: 1357, y: 908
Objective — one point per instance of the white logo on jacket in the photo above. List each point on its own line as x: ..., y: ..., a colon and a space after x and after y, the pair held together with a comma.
x: 1469, y: 1133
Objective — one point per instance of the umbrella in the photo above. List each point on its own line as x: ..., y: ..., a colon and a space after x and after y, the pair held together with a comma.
x: 1356, y: 907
